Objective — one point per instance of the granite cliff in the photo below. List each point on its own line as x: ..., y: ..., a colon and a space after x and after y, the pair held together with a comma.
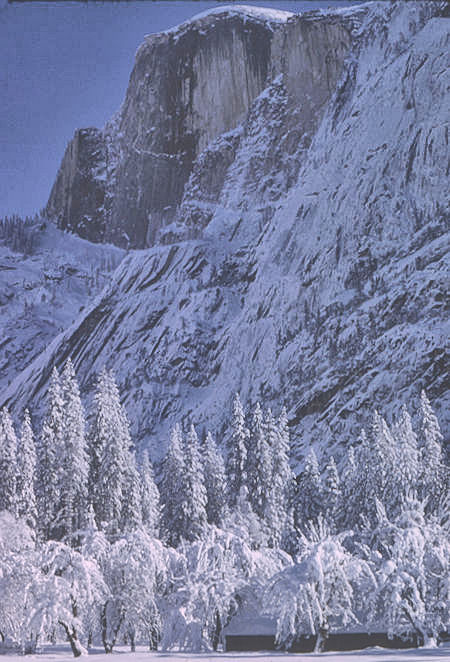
x: 188, y: 86
x: 299, y: 253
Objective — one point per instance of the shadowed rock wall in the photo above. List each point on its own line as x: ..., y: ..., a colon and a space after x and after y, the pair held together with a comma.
x: 78, y: 195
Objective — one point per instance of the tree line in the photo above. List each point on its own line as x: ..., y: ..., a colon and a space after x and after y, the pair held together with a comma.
x: 21, y: 234
x: 94, y: 548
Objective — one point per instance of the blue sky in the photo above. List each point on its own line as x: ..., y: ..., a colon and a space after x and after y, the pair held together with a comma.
x: 66, y: 65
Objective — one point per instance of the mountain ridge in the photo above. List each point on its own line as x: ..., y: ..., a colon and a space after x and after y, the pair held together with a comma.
x: 303, y: 267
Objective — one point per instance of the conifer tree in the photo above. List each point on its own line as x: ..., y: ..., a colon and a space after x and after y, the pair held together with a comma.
x: 195, y: 499
x: 279, y: 481
x: 375, y: 460
x: 284, y: 483
x: 260, y: 460
x: 349, y: 508
x: 237, y: 452
x: 332, y: 493
x: 111, y: 457
x: 50, y: 454
x: 149, y: 497
x: 26, y: 460
x: 98, y: 436
x: 407, y: 459
x: 171, y: 489
x: 132, y: 502
x: 283, y: 451
x: 75, y: 463
x: 381, y: 466
x: 8, y: 464
x: 365, y: 491
x: 243, y: 522
x: 215, y: 481
x: 310, y: 491
x: 431, y: 476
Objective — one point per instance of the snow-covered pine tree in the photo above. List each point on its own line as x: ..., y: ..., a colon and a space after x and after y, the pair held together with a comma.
x: 310, y: 492
x: 8, y: 464
x: 111, y: 458
x: 381, y: 465
x: 279, y: 480
x: 348, y: 511
x: 284, y: 485
x: 26, y: 461
x: 363, y: 491
x: 243, y: 522
x: 431, y: 475
x: 171, y: 489
x: 375, y: 476
x: 94, y: 544
x: 237, y: 452
x: 407, y: 458
x: 75, y: 463
x: 215, y: 481
x: 132, y: 504
x: 97, y: 436
x: 332, y: 493
x: 50, y: 454
x: 195, y: 499
x: 260, y: 460
x: 131, y: 479
x: 149, y: 497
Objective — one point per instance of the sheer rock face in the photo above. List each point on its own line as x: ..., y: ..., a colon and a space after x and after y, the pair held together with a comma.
x: 77, y: 198
x: 188, y: 87
x: 306, y: 263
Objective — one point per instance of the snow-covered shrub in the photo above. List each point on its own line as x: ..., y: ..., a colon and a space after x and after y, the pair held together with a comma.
x: 135, y: 571
x: 18, y: 566
x: 211, y: 579
x: 63, y: 593
x: 321, y: 591
x: 413, y: 573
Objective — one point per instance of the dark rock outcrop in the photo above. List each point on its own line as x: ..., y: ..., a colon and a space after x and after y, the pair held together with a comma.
x: 77, y: 199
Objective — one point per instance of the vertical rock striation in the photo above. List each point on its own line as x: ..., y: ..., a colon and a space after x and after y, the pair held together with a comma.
x: 77, y: 198
x: 188, y: 87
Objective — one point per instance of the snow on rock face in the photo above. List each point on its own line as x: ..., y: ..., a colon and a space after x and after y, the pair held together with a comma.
x: 308, y: 269
x: 43, y: 292
x: 189, y: 85
x: 265, y: 14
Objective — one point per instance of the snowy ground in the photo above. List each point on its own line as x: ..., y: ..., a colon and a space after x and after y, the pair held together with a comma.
x: 54, y: 654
